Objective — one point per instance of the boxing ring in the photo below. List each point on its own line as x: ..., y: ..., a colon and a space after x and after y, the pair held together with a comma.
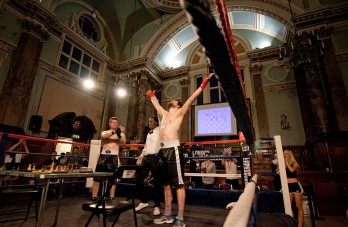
x: 207, y: 197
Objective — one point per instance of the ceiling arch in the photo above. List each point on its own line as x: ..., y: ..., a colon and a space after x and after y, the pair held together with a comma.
x: 262, y: 28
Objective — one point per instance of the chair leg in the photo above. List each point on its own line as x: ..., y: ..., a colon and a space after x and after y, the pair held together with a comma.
x: 115, y: 220
x: 36, y: 207
x: 135, y: 217
x: 104, y: 219
x: 29, y: 206
x: 89, y: 219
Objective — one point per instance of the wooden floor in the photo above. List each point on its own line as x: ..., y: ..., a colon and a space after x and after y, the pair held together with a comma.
x: 72, y: 215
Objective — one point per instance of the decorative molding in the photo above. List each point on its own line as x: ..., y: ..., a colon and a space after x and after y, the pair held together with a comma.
x: 282, y: 77
x: 342, y: 57
x: 173, y: 87
x: 34, y: 28
x: 5, y: 46
x: 46, y: 66
x: 35, y: 12
x: 167, y: 6
x: 265, y: 54
x: 327, y: 15
x: 279, y: 87
x: 256, y: 69
x: 185, y: 82
x: 263, y: 11
x: 175, y: 73
x: 73, y: 22
x: 127, y: 66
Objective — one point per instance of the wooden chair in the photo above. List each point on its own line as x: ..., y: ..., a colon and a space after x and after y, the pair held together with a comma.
x: 113, y: 207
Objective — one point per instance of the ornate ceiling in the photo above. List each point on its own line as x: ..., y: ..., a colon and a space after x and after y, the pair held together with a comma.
x: 255, y: 24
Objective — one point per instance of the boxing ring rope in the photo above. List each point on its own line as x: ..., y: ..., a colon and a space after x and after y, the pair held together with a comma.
x: 10, y: 135
x: 234, y: 176
x: 240, y: 213
x: 190, y: 145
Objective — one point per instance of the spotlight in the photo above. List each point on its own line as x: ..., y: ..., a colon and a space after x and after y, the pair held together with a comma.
x: 121, y: 92
x: 89, y: 83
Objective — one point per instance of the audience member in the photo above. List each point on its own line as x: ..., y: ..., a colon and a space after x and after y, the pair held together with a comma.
x: 195, y: 167
x: 51, y: 159
x: 230, y: 168
x: 208, y: 167
x: 12, y: 161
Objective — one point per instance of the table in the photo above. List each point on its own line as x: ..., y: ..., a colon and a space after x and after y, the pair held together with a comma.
x: 47, y: 177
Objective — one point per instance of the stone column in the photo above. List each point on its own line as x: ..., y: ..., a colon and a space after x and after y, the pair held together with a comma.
x: 260, y: 105
x: 304, y: 102
x: 133, y: 107
x: 111, y: 107
x: 143, y: 85
x: 15, y: 95
x: 185, y: 126
x: 305, y: 58
x: 333, y: 78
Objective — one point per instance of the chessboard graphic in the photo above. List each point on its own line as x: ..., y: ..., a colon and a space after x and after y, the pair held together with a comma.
x: 217, y: 120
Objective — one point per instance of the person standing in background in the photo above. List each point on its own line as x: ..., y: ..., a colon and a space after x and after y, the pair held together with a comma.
x: 108, y: 160
x: 12, y: 160
x: 230, y: 168
x: 295, y: 188
x: 149, y: 162
x: 208, y: 167
x: 195, y: 167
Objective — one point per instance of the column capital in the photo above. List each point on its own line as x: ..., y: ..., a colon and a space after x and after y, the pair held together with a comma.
x: 255, y: 69
x: 185, y: 81
x: 34, y: 28
x: 144, y: 75
x: 323, y: 33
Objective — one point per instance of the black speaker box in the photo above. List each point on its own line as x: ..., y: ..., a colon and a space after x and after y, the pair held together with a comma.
x: 35, y: 123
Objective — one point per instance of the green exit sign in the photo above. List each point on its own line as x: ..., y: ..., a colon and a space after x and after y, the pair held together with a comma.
x: 75, y: 136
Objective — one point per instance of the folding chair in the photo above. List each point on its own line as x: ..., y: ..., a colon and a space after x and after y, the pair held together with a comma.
x: 113, y: 207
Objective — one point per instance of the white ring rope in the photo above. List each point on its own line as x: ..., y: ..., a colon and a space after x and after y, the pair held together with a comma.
x: 240, y: 213
x: 229, y: 175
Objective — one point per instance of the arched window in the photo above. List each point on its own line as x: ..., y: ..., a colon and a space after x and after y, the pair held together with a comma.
x: 88, y: 27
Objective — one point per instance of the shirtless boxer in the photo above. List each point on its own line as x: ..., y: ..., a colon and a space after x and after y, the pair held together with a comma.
x: 170, y: 156
x: 109, y: 158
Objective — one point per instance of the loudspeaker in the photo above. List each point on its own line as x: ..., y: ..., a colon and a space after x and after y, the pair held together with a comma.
x: 35, y: 123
